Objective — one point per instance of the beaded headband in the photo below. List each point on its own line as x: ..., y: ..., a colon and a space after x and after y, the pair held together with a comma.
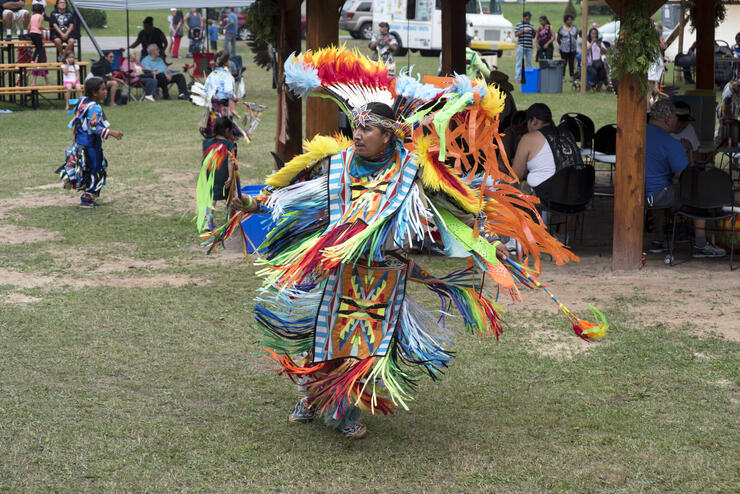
x: 363, y: 117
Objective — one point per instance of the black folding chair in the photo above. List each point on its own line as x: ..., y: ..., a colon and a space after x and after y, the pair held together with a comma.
x: 706, y: 194
x: 605, y: 147
x: 569, y: 193
x: 587, y: 132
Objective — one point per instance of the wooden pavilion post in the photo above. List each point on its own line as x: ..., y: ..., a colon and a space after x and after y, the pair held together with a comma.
x: 453, y: 37
x: 322, y: 30
x: 629, y: 180
x: 584, y: 41
x: 289, y: 109
x: 705, y: 44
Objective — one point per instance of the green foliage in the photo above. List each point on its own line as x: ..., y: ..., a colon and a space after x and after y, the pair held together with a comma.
x: 570, y: 9
x: 263, y: 21
x: 719, y: 14
x: 94, y: 18
x: 638, y: 45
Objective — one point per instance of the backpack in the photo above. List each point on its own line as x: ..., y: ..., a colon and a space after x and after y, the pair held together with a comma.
x: 565, y: 151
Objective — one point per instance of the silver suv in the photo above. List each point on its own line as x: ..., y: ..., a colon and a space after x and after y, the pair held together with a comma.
x: 357, y: 18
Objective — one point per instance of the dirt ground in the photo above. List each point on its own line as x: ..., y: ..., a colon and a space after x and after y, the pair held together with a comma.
x: 703, y: 292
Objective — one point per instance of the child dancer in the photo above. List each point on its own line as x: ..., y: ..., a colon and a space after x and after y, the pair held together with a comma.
x: 219, y: 176
x: 85, y: 164
x: 70, y: 77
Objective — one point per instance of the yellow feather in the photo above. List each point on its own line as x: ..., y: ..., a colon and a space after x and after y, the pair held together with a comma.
x: 316, y: 149
x: 432, y: 181
x: 493, y: 102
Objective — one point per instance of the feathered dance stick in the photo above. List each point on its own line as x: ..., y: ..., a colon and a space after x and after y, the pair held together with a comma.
x: 583, y: 328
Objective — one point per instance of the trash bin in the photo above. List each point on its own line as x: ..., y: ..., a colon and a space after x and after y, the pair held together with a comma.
x: 531, y: 80
x: 551, y: 76
x: 256, y: 226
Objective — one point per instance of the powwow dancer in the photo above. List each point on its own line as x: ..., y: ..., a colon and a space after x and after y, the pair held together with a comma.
x: 85, y: 166
x: 219, y: 175
x: 334, y: 309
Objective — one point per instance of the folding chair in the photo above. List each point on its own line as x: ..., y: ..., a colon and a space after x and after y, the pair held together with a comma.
x: 706, y: 194
x: 202, y: 66
x: 605, y: 147
x: 571, y: 189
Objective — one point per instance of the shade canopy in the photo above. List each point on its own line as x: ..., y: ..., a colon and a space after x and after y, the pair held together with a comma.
x: 156, y: 4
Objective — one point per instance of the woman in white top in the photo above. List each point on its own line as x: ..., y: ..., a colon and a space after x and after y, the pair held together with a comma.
x: 70, y: 77
x: 596, y: 68
x: 534, y: 160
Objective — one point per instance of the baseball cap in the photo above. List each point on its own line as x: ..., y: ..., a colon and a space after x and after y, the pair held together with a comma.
x: 683, y: 110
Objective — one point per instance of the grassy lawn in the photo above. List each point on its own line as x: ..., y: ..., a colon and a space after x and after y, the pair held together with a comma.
x: 129, y: 364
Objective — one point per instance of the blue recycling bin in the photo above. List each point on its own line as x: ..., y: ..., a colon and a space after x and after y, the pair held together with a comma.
x: 257, y: 226
x: 532, y: 80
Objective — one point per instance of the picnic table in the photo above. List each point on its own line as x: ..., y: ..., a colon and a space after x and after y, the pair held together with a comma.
x: 9, y: 48
x: 16, y: 75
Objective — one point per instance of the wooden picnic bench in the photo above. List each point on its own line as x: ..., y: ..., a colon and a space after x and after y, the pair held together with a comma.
x: 17, y: 74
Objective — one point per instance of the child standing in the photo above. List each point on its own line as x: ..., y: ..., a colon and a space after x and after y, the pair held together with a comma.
x: 35, y: 31
x: 219, y: 175
x: 213, y: 34
x: 70, y: 77
x: 85, y: 164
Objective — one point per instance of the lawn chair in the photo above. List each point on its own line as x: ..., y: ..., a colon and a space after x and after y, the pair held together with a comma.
x: 127, y: 72
x: 202, y: 66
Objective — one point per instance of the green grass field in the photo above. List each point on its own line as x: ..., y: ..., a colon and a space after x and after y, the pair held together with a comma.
x: 129, y: 363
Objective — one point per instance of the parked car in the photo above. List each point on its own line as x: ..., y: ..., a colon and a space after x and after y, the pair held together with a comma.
x: 241, y: 15
x: 357, y: 18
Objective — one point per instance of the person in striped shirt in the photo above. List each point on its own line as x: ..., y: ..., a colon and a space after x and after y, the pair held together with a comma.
x: 525, y: 32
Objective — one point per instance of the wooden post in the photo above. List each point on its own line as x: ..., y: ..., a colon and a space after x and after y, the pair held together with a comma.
x: 681, y: 26
x: 629, y: 182
x: 453, y: 37
x: 705, y: 45
x: 289, y: 110
x: 584, y: 40
x: 322, y: 30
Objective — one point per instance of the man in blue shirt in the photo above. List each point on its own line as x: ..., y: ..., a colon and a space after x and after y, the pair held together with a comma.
x: 158, y: 68
x: 231, y: 29
x: 665, y: 159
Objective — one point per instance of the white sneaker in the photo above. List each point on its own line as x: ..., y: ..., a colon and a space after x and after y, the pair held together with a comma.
x: 708, y: 250
x: 149, y: 97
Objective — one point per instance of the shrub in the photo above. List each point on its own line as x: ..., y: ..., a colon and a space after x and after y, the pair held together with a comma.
x: 94, y: 17
x: 570, y: 9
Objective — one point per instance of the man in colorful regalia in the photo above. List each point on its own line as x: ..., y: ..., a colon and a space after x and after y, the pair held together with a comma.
x: 334, y: 309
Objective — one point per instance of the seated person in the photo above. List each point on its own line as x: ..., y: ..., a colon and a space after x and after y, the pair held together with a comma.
x: 729, y: 107
x: 595, y: 57
x: 534, y: 160
x: 684, y: 131
x: 103, y: 68
x: 15, y: 14
x: 156, y: 66
x: 665, y: 159
x: 133, y: 72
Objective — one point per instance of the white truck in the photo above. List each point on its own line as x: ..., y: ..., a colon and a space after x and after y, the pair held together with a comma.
x: 417, y: 24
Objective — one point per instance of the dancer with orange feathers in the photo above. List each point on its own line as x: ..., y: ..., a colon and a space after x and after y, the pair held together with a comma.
x: 425, y: 168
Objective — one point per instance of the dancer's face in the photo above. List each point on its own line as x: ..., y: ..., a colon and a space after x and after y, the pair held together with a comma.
x: 370, y: 141
x: 100, y: 94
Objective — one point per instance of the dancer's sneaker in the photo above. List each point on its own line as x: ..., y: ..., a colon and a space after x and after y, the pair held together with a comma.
x: 88, y: 203
x: 301, y: 414
x: 354, y: 431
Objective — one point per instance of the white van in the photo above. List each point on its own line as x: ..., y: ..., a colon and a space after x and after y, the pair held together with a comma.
x: 417, y: 24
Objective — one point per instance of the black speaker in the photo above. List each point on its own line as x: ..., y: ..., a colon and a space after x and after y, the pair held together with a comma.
x: 411, y: 9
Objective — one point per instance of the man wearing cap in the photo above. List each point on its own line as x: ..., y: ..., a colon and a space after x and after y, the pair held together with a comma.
x: 665, y: 159
x: 149, y: 35
x: 384, y: 45
x: 684, y: 131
